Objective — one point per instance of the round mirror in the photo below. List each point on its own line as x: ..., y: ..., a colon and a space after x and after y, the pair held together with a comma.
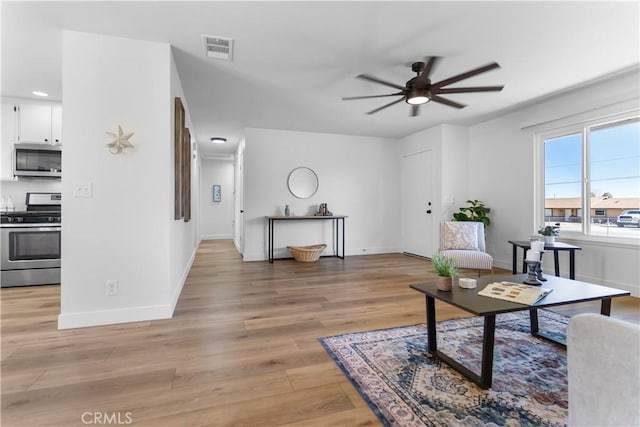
x: 302, y: 182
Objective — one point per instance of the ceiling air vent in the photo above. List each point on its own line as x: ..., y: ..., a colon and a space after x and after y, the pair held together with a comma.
x: 217, y: 47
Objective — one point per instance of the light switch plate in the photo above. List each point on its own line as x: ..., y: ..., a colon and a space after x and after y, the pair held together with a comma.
x: 82, y: 189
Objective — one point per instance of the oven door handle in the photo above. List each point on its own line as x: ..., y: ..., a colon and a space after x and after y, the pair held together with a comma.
x: 13, y: 227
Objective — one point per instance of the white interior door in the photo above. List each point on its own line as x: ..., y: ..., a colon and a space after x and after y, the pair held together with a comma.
x: 239, y: 202
x: 417, y: 203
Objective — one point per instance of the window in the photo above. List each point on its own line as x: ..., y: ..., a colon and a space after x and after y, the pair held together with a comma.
x: 592, y: 174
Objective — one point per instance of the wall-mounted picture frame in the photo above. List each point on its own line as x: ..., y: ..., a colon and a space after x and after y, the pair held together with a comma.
x: 178, y: 125
x: 186, y: 175
x: 182, y: 164
x: 217, y: 193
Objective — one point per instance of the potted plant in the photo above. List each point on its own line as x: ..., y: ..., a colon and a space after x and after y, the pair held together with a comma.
x: 446, y: 269
x: 550, y: 232
x: 476, y: 212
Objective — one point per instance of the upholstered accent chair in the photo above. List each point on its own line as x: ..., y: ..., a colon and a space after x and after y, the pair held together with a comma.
x: 464, y: 242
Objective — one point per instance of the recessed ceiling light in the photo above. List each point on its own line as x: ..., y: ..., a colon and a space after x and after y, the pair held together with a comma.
x: 218, y: 140
x: 39, y: 93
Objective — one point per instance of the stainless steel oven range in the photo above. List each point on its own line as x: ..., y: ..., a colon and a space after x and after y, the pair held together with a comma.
x: 31, y: 242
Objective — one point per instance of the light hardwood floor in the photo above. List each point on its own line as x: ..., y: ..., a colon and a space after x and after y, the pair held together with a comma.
x: 241, y: 349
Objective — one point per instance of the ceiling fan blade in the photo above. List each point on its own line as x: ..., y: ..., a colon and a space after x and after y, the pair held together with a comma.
x: 430, y: 62
x: 349, y: 98
x: 466, y: 75
x: 385, y: 106
x: 468, y: 89
x: 380, y: 81
x: 445, y: 101
x: 415, y: 110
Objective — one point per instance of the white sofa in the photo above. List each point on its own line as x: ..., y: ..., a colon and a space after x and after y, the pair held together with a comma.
x: 603, y: 361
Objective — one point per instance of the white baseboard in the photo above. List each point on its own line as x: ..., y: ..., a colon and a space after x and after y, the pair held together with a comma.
x: 284, y: 253
x: 502, y: 264
x: 255, y: 256
x: 110, y: 317
x: 375, y: 251
x: 216, y: 237
x: 130, y: 314
x: 182, y: 281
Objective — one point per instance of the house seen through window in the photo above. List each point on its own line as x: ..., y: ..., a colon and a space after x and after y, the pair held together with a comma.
x: 592, y: 178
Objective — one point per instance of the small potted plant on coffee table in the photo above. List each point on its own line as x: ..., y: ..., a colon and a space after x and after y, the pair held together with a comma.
x: 550, y: 232
x: 446, y: 269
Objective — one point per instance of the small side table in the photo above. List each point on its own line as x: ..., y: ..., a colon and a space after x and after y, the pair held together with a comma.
x: 555, y: 247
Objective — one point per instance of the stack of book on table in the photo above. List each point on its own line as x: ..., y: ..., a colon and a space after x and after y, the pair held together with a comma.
x: 515, y: 292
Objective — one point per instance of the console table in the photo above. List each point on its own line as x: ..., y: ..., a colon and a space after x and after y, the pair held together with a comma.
x: 555, y: 247
x: 337, y: 220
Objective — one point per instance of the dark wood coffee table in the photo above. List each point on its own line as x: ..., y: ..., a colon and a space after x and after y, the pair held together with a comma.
x: 565, y: 291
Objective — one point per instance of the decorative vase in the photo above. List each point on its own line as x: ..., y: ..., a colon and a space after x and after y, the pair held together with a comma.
x: 287, y: 211
x: 444, y: 283
x: 550, y: 239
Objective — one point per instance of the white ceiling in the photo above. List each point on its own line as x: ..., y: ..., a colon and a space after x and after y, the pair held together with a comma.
x: 294, y: 61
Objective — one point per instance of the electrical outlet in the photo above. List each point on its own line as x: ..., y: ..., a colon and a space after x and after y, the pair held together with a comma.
x: 111, y: 288
x: 82, y: 189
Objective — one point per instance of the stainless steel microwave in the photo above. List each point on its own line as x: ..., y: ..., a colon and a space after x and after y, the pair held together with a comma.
x: 37, y: 160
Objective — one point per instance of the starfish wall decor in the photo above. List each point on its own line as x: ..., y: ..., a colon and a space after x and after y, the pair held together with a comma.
x: 121, y: 141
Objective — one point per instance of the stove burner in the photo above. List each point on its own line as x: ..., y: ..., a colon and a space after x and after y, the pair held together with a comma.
x: 42, y: 208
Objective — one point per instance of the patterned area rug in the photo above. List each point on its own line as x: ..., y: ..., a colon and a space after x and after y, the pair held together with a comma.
x: 405, y: 388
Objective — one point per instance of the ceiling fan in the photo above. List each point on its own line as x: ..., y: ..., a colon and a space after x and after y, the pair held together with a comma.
x: 419, y: 90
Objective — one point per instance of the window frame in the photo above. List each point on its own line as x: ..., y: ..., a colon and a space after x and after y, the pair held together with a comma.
x: 582, y: 127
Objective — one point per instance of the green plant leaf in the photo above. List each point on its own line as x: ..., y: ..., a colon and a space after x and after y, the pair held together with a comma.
x: 476, y: 212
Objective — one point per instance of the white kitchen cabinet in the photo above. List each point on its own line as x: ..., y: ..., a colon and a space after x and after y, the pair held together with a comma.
x: 6, y: 144
x: 40, y: 123
x: 56, y: 124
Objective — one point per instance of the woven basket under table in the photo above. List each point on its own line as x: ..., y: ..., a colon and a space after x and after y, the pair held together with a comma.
x: 309, y: 253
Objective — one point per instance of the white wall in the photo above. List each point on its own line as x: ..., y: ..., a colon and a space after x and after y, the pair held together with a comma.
x: 125, y: 231
x: 183, y: 236
x: 19, y: 188
x: 456, y: 169
x: 216, y: 218
x: 502, y: 175
x: 359, y: 177
x: 449, y: 145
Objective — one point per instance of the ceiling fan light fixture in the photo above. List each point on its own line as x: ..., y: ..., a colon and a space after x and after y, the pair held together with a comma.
x: 419, y: 89
x: 418, y: 97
